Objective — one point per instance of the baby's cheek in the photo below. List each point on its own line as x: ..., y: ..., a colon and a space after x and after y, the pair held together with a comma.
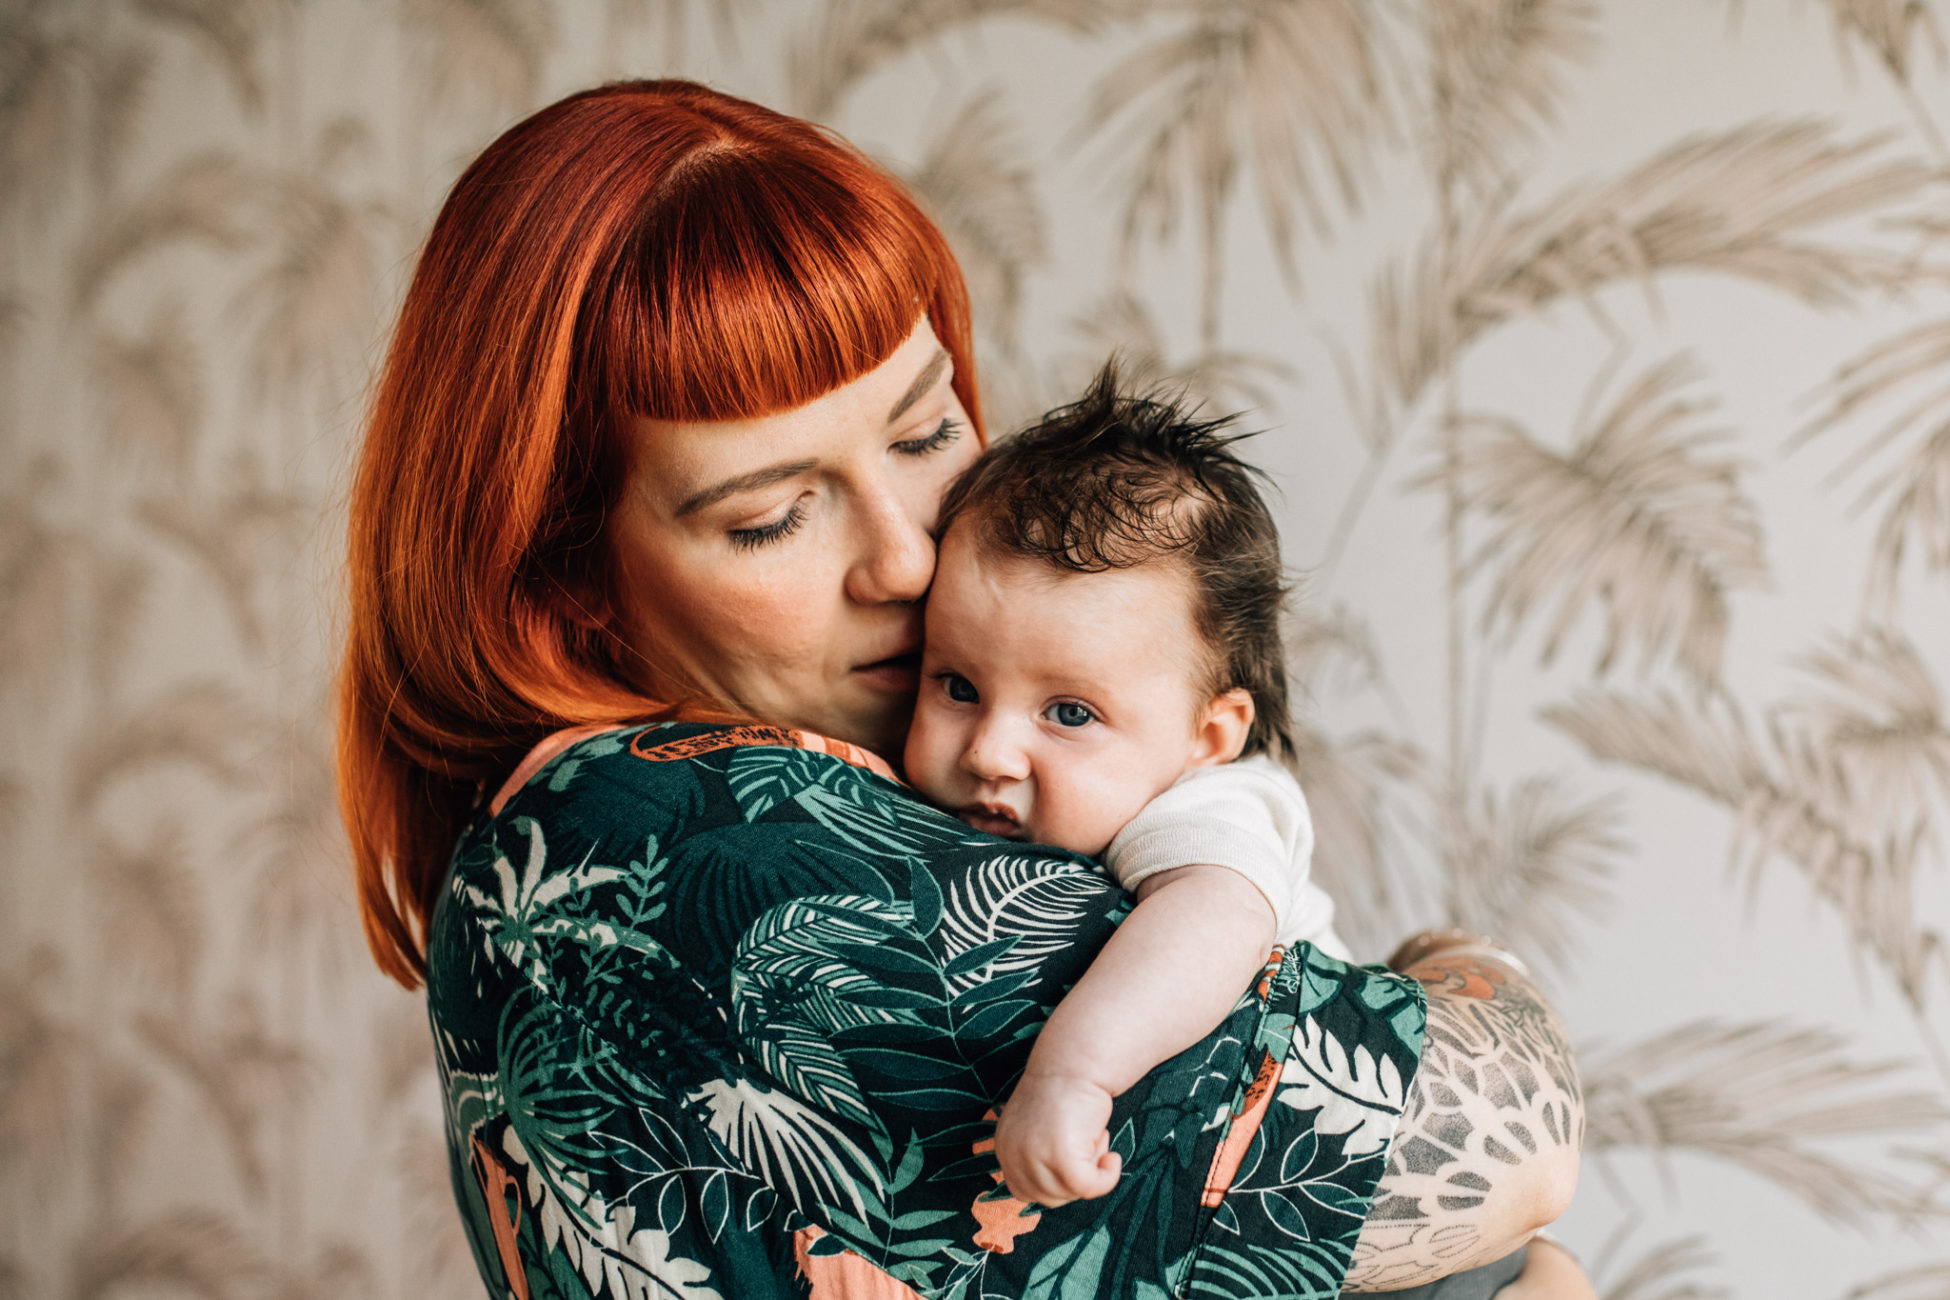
x: 1085, y: 811
x: 922, y: 759
x: 1106, y: 797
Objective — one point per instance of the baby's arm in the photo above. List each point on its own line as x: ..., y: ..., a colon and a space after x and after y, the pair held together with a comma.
x: 1175, y: 968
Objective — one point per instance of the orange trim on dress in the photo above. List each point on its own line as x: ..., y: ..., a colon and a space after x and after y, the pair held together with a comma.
x: 1240, y: 1134
x: 495, y: 1181
x: 758, y: 734
x: 687, y: 747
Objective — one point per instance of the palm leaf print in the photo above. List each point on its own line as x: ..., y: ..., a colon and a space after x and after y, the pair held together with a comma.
x: 121, y: 1116
x: 1022, y: 901
x: 977, y: 184
x: 229, y: 31
x: 1751, y: 202
x: 1911, y: 374
x: 1789, y: 803
x: 69, y: 95
x: 237, y: 1070
x: 674, y: 16
x: 154, y: 914
x: 42, y: 567
x: 1120, y: 323
x: 43, y: 1069
x: 796, y: 980
x: 853, y: 38
x: 311, y: 306
x: 154, y: 385
x: 1760, y: 1095
x: 1891, y: 29
x: 1521, y: 868
x: 205, y: 198
x: 1298, y: 92
x: 206, y: 725
x: 231, y: 534
x: 1927, y: 1282
x: 196, y: 1251
x: 1498, y: 69
x: 1354, y: 782
x: 1636, y: 518
x: 444, y: 1265
x: 493, y: 49
x: 791, y: 1146
x: 1872, y: 708
x: 297, y: 842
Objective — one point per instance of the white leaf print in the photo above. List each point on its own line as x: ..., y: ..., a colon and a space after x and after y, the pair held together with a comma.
x: 1356, y: 1097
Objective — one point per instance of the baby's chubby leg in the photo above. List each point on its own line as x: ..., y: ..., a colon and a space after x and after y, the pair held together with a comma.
x: 1174, y: 969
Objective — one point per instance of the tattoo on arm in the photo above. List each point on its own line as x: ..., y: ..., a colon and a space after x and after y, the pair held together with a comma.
x: 1489, y: 1142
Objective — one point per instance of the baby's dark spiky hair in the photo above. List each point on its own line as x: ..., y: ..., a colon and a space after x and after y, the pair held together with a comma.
x: 1113, y: 481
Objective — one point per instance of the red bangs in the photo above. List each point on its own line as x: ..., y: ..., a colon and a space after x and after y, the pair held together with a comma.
x: 756, y: 285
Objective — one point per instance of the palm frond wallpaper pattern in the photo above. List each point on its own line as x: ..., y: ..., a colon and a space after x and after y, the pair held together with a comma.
x: 1602, y: 354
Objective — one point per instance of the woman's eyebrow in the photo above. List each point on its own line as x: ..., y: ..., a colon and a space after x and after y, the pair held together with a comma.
x: 922, y: 383
x: 757, y: 478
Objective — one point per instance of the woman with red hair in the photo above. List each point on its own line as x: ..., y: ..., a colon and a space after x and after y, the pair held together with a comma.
x: 641, y: 524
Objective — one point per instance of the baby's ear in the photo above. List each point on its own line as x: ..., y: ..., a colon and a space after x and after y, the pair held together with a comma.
x: 1222, y: 732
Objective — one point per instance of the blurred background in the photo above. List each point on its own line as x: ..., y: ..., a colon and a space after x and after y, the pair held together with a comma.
x: 1602, y: 352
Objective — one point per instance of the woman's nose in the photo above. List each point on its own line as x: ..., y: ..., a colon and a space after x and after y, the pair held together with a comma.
x: 994, y: 753
x: 896, y: 559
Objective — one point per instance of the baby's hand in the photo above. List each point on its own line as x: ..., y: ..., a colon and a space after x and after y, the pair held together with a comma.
x: 1053, y: 1143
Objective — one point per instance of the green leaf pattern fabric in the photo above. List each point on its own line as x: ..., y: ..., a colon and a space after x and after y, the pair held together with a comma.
x: 721, y: 1014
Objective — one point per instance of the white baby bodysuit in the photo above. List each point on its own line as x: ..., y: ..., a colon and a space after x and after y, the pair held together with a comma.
x: 1249, y: 817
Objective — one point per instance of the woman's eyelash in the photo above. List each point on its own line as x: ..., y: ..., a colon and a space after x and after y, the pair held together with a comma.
x: 748, y: 539
x: 944, y: 433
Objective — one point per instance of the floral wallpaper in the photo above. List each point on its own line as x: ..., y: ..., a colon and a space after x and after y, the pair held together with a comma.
x: 1602, y: 353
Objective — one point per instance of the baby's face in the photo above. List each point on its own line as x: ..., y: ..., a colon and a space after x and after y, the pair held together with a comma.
x: 1054, y: 705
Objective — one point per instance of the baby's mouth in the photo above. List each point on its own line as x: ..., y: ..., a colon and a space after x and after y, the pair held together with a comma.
x: 992, y: 818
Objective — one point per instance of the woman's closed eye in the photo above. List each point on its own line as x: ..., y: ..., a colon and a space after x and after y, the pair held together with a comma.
x: 749, y: 539
x: 1068, y: 713
x: 945, y: 435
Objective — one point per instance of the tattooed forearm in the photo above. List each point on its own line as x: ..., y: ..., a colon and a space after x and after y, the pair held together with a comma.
x: 1487, y: 1151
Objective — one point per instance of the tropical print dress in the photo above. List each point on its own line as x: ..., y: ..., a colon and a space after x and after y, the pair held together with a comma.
x: 728, y: 1012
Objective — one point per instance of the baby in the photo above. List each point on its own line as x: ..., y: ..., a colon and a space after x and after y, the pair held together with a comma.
x: 1104, y: 672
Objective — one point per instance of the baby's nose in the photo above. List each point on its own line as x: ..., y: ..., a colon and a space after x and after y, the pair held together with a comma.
x: 995, y: 754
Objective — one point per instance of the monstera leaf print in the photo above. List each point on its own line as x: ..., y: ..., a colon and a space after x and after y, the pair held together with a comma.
x: 1352, y: 1094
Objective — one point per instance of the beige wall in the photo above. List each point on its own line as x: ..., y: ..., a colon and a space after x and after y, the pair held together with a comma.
x: 1605, y: 366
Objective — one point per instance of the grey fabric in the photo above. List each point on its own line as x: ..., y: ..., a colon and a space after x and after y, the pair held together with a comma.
x: 1470, y: 1284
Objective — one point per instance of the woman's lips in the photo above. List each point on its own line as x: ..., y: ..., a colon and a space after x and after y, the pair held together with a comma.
x: 896, y: 673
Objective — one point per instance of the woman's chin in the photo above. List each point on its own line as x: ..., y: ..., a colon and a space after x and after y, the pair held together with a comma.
x: 877, y: 720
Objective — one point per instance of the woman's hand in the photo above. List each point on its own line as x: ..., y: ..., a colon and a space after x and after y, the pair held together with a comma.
x: 1053, y: 1140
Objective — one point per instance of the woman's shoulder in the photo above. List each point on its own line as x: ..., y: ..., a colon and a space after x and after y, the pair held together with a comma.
x: 675, y: 750
x: 726, y: 822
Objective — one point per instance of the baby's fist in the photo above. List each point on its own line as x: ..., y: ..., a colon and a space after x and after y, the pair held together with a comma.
x: 1052, y: 1141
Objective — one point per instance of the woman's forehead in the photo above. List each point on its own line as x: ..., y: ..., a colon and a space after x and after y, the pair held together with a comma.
x: 694, y: 457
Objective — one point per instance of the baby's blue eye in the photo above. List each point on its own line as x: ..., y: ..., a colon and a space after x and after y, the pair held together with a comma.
x: 959, y: 688
x: 1068, y: 713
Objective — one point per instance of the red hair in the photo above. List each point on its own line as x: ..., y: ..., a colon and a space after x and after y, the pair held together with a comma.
x: 650, y: 248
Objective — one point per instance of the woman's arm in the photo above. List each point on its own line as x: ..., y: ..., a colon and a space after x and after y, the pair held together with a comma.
x: 1487, y: 1149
